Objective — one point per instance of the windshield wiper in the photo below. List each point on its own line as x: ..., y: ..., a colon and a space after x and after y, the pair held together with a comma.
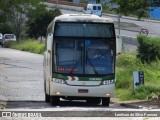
x: 94, y: 69
x: 75, y: 65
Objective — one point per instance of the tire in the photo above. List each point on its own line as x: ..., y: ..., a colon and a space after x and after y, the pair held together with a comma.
x: 93, y: 100
x: 105, y: 101
x: 54, y: 100
x: 47, y: 98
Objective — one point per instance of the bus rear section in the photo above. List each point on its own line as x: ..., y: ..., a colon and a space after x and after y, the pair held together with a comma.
x: 80, y: 63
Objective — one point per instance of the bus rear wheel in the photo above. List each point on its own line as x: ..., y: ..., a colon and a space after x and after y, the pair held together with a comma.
x: 105, y: 101
x: 93, y: 100
x: 47, y: 98
x: 54, y: 100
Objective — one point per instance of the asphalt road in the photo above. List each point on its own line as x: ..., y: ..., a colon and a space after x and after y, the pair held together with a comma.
x: 21, y: 75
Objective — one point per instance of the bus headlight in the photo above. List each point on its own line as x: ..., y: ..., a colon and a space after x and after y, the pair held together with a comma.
x: 59, y: 81
x: 107, y: 82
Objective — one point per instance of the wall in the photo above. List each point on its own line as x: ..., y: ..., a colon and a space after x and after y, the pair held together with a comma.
x: 155, y: 13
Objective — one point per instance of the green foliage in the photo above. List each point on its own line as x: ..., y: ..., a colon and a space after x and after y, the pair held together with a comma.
x: 123, y: 6
x: 3, y: 18
x: 30, y: 45
x: 136, y: 7
x: 14, y: 11
x: 5, y: 28
x: 57, y: 12
x: 37, y: 24
x: 125, y: 65
x: 148, y: 49
x: 106, y: 9
x: 144, y: 92
x: 140, y: 13
x: 83, y: 1
x: 2, y: 106
x: 124, y: 94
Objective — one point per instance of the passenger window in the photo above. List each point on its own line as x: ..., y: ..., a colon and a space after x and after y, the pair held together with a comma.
x: 94, y: 7
x: 99, y: 7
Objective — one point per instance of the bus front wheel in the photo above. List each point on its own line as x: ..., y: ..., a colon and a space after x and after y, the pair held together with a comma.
x: 54, y: 100
x: 105, y: 101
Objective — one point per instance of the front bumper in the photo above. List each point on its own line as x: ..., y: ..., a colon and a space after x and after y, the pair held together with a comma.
x: 57, y: 89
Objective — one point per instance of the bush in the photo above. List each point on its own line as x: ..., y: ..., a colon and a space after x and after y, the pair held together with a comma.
x: 144, y: 92
x: 148, y: 49
x: 33, y: 46
x: 125, y: 65
x: 57, y: 12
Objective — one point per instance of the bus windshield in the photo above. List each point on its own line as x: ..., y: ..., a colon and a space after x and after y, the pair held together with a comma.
x: 84, y: 30
x: 81, y: 53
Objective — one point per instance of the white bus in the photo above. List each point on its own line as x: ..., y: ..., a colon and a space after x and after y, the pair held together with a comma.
x: 79, y: 59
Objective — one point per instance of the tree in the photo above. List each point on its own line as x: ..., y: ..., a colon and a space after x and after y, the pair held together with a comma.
x: 137, y: 7
x: 15, y: 11
x: 37, y: 24
x: 5, y: 28
x: 97, y: 1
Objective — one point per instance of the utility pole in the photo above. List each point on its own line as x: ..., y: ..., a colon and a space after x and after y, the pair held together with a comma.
x: 57, y: 4
x: 119, y: 42
x: 119, y: 25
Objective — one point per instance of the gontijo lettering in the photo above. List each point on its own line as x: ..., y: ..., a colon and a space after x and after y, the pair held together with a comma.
x: 95, y: 79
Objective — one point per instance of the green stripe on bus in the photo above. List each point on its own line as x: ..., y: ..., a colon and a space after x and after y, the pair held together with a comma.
x: 107, y: 77
x: 59, y: 76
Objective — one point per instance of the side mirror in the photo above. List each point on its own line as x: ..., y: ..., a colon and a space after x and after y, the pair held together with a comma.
x: 49, y: 42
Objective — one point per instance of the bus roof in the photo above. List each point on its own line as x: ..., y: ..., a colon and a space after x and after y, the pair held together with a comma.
x: 77, y: 18
x: 83, y: 18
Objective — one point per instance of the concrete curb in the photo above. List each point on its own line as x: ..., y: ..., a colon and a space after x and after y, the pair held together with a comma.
x: 127, y: 105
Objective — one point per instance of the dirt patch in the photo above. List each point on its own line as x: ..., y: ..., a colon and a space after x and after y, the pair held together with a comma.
x: 151, y: 104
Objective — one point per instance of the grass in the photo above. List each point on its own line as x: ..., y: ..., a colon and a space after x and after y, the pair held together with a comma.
x: 2, y: 106
x: 125, y: 65
x: 29, y: 45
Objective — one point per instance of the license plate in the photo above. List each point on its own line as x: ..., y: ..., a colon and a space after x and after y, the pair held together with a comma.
x: 82, y: 90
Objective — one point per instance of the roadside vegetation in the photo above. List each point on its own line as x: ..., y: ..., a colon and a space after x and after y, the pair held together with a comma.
x: 125, y: 65
x: 30, y: 45
x: 2, y: 106
x: 147, y: 59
